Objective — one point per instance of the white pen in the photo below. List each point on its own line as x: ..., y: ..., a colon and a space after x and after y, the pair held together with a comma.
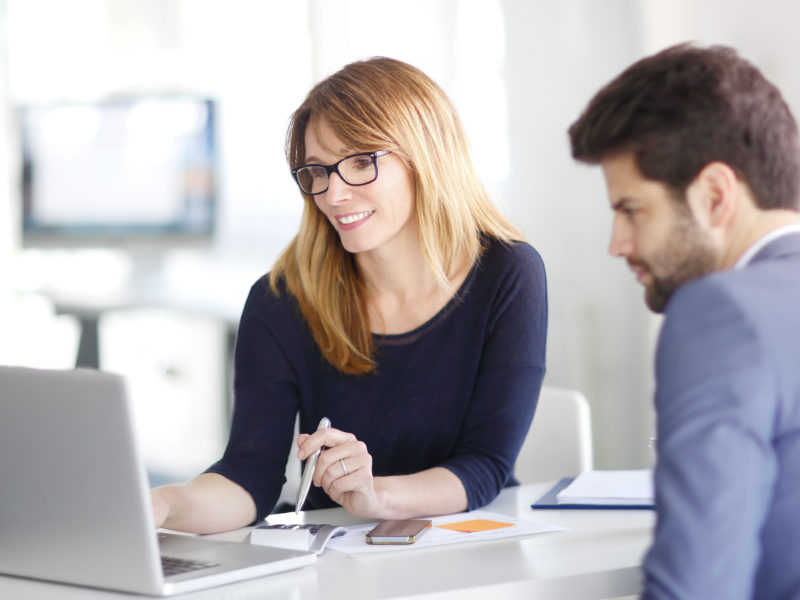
x: 308, y: 472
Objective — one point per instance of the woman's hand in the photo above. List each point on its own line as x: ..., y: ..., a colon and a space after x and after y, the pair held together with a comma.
x: 344, y: 470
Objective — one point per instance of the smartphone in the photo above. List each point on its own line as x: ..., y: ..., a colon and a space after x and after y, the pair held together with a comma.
x: 405, y: 531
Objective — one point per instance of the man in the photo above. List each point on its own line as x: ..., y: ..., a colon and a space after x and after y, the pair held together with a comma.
x: 700, y: 158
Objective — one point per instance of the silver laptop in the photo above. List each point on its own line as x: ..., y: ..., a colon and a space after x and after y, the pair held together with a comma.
x: 74, y: 500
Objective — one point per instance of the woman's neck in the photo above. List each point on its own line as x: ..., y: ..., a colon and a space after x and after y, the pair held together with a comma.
x: 402, y: 292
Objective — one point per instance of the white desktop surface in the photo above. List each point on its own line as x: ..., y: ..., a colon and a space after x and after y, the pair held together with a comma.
x: 599, y: 557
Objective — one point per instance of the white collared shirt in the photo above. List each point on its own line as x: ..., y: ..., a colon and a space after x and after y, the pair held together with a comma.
x: 748, y: 255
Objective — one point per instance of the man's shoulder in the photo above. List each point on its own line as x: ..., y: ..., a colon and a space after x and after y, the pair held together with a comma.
x: 707, y: 314
x: 728, y: 319
x: 755, y: 286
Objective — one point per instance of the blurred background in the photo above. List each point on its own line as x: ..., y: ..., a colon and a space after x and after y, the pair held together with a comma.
x: 143, y: 186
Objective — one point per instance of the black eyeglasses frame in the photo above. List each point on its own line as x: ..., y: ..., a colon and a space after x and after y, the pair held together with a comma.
x: 334, y: 168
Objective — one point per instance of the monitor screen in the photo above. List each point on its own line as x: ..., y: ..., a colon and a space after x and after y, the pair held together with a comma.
x: 118, y: 172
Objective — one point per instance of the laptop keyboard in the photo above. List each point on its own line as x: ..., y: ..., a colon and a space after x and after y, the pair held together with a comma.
x: 174, y: 566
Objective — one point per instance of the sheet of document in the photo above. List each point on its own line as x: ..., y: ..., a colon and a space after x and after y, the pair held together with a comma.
x: 610, y: 487
x: 473, y: 526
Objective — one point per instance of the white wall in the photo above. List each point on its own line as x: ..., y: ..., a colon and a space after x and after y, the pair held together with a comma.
x: 519, y: 71
x: 7, y: 215
x: 559, y: 54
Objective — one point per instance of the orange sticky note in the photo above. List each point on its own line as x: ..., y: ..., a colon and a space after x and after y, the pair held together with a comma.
x: 475, y: 525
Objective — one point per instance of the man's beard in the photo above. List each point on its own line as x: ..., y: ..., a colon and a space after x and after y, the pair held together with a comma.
x: 686, y: 255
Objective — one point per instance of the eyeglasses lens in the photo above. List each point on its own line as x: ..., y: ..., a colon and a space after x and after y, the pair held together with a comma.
x: 360, y: 169
x: 313, y: 180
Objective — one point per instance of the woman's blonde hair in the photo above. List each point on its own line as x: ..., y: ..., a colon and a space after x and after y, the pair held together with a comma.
x: 383, y: 104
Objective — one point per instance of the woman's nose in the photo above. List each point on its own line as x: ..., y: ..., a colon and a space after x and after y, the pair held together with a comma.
x: 338, y: 190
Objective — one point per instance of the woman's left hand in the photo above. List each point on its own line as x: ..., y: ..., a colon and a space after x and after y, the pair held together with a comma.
x: 344, y: 470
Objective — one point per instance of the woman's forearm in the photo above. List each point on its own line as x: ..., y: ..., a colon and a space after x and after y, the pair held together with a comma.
x: 209, y: 503
x: 436, y: 491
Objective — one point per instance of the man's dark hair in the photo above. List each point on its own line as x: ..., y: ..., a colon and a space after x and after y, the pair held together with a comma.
x: 686, y: 107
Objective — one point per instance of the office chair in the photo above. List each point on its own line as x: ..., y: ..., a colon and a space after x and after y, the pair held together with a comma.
x: 559, y: 442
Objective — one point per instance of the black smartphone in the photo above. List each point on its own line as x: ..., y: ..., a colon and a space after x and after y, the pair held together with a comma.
x: 404, y: 531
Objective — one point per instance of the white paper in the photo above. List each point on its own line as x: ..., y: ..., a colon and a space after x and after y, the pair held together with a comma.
x: 354, y: 541
x: 610, y: 487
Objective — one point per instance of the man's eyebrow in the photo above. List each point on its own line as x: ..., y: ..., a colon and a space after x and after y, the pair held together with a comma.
x: 621, y: 203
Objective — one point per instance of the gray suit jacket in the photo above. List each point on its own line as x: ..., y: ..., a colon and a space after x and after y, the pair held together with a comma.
x: 727, y: 476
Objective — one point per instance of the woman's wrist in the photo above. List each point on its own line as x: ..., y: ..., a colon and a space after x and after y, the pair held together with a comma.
x: 385, y: 498
x: 161, y: 506
x: 173, y: 502
x: 396, y: 498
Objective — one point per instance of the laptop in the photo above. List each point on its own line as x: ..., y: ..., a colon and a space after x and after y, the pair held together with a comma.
x: 74, y: 499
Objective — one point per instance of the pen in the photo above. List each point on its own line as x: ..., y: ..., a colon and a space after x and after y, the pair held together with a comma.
x: 308, y: 472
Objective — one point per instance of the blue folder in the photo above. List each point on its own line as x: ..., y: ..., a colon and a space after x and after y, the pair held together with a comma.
x: 550, y: 501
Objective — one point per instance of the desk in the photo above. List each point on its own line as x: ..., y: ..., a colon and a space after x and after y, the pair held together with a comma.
x: 87, y: 284
x: 599, y: 557
x: 88, y: 310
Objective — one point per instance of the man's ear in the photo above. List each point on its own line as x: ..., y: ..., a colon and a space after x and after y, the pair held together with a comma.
x: 713, y: 195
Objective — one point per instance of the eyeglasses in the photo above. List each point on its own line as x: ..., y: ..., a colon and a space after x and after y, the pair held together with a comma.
x: 356, y: 169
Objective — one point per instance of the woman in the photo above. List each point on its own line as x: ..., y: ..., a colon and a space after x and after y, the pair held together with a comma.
x: 403, y: 310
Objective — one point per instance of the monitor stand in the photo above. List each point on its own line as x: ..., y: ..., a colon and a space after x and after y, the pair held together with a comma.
x: 147, y: 269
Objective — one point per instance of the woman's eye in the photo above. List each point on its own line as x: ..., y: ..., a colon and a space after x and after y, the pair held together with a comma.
x: 317, y: 172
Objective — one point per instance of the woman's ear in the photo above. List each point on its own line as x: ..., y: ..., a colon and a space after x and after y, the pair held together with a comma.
x: 713, y: 195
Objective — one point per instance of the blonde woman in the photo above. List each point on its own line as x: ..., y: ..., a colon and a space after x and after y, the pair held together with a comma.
x: 406, y: 310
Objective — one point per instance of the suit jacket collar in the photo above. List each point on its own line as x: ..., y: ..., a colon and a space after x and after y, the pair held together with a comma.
x: 785, y: 245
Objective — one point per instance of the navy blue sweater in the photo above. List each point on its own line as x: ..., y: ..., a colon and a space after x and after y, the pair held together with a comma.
x: 457, y: 392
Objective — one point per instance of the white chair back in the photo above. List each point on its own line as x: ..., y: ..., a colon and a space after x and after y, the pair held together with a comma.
x: 33, y: 335
x: 559, y: 442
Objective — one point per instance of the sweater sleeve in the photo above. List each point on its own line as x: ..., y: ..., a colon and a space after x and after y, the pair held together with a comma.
x: 265, y: 400
x: 510, y: 374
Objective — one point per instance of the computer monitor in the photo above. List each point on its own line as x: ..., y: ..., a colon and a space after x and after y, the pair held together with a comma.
x: 133, y: 173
